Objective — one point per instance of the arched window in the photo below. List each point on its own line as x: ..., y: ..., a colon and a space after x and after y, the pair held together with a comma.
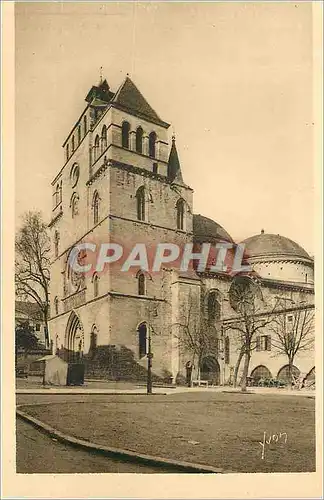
x: 141, y: 284
x: 213, y: 307
x: 95, y: 280
x: 142, y: 340
x: 95, y: 205
x: 104, y: 138
x: 261, y: 372
x: 74, y: 204
x: 96, y: 148
x: 140, y: 200
x: 56, y: 305
x: 152, y: 141
x: 283, y: 373
x: 56, y: 243
x: 79, y: 134
x: 73, y: 145
x: 67, y: 152
x: 180, y: 214
x: 85, y: 126
x: 139, y: 140
x: 125, y: 134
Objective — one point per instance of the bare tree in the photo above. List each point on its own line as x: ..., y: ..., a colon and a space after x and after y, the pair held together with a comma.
x: 196, y: 336
x: 252, y: 316
x: 32, y: 272
x: 293, y: 332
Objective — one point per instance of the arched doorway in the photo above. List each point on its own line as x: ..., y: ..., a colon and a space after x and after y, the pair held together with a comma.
x: 74, y: 338
x: 261, y: 372
x: 209, y: 370
x: 283, y: 373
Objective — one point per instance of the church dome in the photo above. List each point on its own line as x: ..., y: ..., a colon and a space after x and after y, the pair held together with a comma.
x: 207, y: 230
x: 273, y: 245
x: 278, y: 258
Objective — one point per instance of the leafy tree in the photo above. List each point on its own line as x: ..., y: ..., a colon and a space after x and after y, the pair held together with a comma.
x: 32, y: 266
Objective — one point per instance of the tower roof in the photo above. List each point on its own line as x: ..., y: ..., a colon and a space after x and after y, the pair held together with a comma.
x: 101, y: 91
x: 174, y: 169
x: 130, y: 99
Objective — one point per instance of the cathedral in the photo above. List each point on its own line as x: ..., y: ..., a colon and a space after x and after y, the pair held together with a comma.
x: 122, y: 182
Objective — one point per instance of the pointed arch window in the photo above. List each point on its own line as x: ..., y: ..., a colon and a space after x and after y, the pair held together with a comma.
x: 180, y: 207
x: 213, y: 307
x: 140, y: 201
x: 96, y: 148
x: 56, y: 305
x: 56, y: 243
x: 141, y: 284
x: 142, y: 340
x: 85, y: 126
x: 104, y: 138
x: 74, y: 204
x: 152, y: 144
x: 95, y: 281
x: 125, y: 134
x: 95, y: 205
x: 139, y: 140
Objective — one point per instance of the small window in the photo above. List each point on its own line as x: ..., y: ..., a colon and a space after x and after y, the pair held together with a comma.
x: 67, y: 152
x: 79, y: 134
x: 95, y: 285
x: 140, y: 199
x: 37, y: 327
x: 213, y: 307
x: 142, y: 340
x: 141, y: 284
x: 125, y: 135
x: 56, y: 243
x: 139, y: 140
x: 152, y: 142
x: 96, y: 148
x: 57, y: 194
x: 264, y: 343
x: 180, y: 214
x: 96, y: 208
x: 73, y: 145
x: 74, y: 204
x: 155, y: 168
x: 290, y: 318
x: 104, y: 139
x: 85, y: 130
x: 56, y: 305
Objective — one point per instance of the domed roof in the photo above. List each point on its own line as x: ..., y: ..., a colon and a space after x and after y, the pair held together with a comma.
x: 273, y: 245
x: 207, y: 230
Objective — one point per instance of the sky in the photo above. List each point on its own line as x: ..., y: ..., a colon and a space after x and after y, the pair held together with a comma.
x: 233, y: 79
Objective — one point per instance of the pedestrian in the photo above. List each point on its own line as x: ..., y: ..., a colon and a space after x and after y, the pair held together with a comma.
x: 189, y: 367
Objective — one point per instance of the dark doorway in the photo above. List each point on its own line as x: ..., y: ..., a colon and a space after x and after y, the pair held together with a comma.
x: 209, y: 370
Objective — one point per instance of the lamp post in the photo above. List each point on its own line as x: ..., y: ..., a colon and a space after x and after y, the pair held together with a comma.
x: 149, y: 364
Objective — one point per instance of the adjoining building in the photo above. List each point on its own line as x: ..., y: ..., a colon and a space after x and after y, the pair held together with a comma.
x: 122, y: 182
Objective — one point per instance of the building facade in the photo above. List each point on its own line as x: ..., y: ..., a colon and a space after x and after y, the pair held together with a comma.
x: 121, y: 183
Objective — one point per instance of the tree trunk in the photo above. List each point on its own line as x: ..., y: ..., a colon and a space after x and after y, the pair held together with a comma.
x: 237, y: 366
x: 290, y: 373
x: 245, y: 370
